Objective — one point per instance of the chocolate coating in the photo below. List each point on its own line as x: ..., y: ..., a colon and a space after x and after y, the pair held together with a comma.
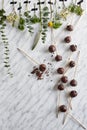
x: 72, y: 64
x: 67, y: 39
x: 73, y: 82
x: 63, y: 108
x: 58, y: 58
x: 60, y: 70
x: 73, y: 48
x: 73, y: 93
x: 42, y: 67
x: 61, y: 87
x: 64, y: 79
x: 52, y: 48
x: 69, y: 28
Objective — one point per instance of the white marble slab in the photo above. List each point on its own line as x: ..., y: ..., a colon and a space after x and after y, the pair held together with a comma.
x: 30, y: 104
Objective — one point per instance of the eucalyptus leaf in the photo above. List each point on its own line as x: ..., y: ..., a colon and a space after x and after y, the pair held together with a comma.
x: 56, y: 25
x: 36, y: 40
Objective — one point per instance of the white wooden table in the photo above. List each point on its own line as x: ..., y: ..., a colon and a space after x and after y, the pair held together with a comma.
x: 30, y: 104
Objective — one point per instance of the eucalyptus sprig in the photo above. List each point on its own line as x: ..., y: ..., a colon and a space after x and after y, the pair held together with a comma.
x: 45, y: 18
x: 5, y: 41
x: 38, y: 34
x: 28, y: 18
x: 56, y: 11
x: 57, y: 24
x: 28, y: 22
x: 56, y: 19
x: 40, y: 9
x: 35, y: 19
x: 21, y: 24
x: 77, y: 9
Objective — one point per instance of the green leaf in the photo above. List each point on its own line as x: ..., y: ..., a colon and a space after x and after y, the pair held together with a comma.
x: 6, y: 53
x: 3, y: 18
x: 45, y: 26
x: 45, y: 13
x: 26, y: 14
x: 45, y: 8
x: 4, y: 25
x: 37, y: 37
x: 75, y: 9
x: 5, y: 62
x: 56, y: 25
x: 21, y: 27
x: 21, y: 21
x: 43, y: 33
x: 2, y: 32
x: 1, y: 21
x: 7, y: 50
x: 78, y: 10
x: 3, y: 35
x: 72, y: 8
x: 35, y: 19
x: 3, y: 11
x: 7, y: 66
x: 6, y: 57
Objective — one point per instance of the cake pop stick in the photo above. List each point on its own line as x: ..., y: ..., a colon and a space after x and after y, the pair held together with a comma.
x: 42, y: 67
x: 76, y: 120
x: 28, y: 57
x: 53, y: 47
x: 81, y: 124
x: 58, y: 103
x: 73, y: 93
x: 73, y: 82
x: 61, y: 87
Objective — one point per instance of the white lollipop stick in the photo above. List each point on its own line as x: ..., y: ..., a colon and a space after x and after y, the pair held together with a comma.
x: 58, y: 103
x: 28, y: 57
x: 77, y: 121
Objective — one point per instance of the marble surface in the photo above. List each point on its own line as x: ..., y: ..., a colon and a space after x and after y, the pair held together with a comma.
x: 30, y: 104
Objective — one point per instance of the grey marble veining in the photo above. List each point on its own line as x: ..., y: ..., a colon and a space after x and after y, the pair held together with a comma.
x: 30, y: 104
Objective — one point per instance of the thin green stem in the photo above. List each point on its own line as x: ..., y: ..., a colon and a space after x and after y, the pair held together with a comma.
x: 2, y: 4
x: 13, y: 7
x: 72, y: 1
x: 20, y: 9
x: 45, y: 2
x: 55, y: 2
x: 34, y: 8
x: 50, y: 10
x: 75, y: 2
x: 40, y: 14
